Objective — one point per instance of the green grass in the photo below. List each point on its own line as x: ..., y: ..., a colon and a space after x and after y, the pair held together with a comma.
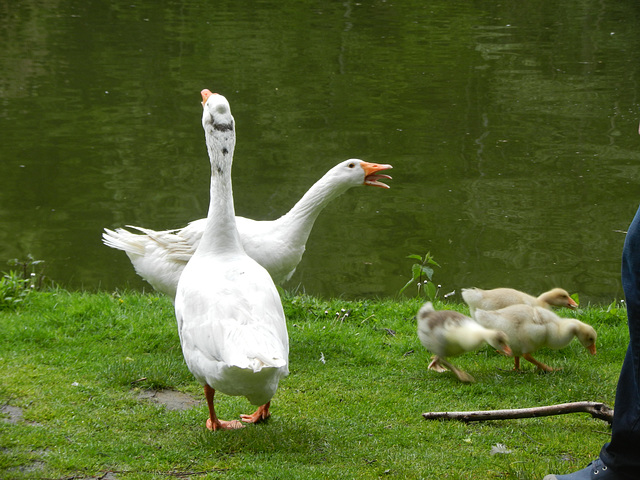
x: 75, y: 363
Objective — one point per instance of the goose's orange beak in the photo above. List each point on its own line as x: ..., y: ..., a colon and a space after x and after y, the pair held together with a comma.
x: 371, y: 176
x: 206, y: 93
x: 592, y: 349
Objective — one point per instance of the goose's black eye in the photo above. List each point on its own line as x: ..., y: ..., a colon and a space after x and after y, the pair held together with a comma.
x: 351, y: 165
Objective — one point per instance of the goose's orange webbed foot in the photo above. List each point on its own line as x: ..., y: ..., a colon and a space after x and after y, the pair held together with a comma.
x: 213, y: 422
x: 261, y: 414
x: 223, y: 424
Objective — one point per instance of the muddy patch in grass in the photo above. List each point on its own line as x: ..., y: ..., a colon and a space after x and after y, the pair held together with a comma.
x: 171, y: 399
x: 13, y: 415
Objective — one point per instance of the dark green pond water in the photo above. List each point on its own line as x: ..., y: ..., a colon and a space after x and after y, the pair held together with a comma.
x: 512, y: 128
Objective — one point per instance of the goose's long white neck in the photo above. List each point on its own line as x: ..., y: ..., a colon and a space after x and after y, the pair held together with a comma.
x: 220, y: 234
x: 300, y: 219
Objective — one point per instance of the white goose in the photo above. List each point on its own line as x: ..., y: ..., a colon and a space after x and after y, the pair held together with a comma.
x: 531, y: 328
x: 230, y: 319
x: 498, y: 298
x: 448, y: 333
x: 278, y: 245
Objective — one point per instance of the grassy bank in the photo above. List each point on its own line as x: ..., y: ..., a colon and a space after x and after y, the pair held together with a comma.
x: 77, y: 369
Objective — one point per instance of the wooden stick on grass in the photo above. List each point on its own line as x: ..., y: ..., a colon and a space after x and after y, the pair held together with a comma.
x: 597, y: 410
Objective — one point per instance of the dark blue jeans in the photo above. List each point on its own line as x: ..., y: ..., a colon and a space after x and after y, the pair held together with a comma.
x: 622, y: 453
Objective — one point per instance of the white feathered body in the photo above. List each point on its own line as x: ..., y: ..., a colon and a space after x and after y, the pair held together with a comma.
x: 236, y: 338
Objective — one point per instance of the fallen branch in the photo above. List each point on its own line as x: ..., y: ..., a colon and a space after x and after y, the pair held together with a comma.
x: 597, y: 410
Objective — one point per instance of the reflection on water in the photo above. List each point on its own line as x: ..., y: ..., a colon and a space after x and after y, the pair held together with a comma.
x: 512, y: 130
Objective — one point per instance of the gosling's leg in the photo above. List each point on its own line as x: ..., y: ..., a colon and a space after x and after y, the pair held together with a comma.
x: 538, y: 364
x: 461, y: 374
x: 436, y: 366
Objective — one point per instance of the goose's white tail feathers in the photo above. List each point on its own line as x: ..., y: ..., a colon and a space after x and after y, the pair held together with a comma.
x: 255, y: 348
x: 168, y: 243
x: 247, y: 346
x: 122, y: 239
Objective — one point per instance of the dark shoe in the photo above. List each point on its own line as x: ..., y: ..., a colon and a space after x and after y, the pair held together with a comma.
x: 595, y: 470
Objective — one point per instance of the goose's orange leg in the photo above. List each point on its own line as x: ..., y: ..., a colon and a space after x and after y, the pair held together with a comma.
x: 213, y: 422
x: 262, y: 413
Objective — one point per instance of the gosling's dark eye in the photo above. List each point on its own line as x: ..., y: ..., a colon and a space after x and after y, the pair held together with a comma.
x: 351, y: 165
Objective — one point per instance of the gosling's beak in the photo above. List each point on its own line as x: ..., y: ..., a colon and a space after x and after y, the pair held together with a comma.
x: 572, y: 303
x: 370, y: 174
x: 507, y: 351
x: 592, y: 348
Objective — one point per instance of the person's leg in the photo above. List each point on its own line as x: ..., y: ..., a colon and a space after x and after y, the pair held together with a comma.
x: 620, y: 458
x: 622, y: 454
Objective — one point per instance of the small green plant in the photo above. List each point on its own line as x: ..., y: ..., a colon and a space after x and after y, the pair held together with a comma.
x: 616, y: 311
x: 422, y: 275
x: 31, y: 270
x: 16, y: 285
x: 13, y: 290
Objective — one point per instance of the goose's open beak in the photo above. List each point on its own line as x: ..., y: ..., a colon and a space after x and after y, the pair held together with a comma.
x: 371, y: 176
x: 572, y: 303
